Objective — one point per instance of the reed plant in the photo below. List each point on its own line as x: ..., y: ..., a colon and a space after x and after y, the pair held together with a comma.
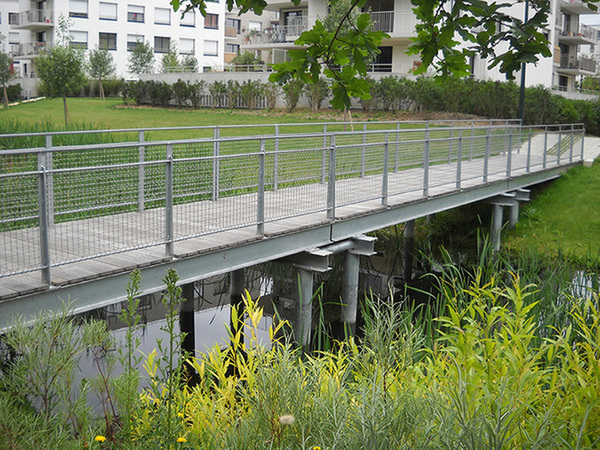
x: 488, y: 374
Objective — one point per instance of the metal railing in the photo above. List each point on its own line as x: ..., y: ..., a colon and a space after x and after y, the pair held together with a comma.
x: 382, y: 21
x: 570, y: 62
x: 63, y: 204
x: 35, y: 16
x: 278, y: 33
x: 29, y: 48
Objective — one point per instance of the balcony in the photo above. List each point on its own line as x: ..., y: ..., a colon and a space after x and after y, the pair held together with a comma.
x: 575, y: 7
x: 36, y: 19
x: 576, y: 66
x: 29, y: 49
x: 382, y: 21
x: 584, y: 35
x: 277, y: 34
x: 231, y: 32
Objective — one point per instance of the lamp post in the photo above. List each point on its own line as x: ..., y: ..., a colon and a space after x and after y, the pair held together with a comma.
x: 522, y: 92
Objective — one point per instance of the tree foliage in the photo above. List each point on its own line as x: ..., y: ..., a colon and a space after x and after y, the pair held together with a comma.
x: 448, y: 34
x: 6, y: 73
x: 169, y: 62
x: 61, y: 71
x: 100, y: 66
x: 141, y: 59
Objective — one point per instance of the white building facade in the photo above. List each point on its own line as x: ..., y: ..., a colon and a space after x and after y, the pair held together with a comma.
x: 565, y: 34
x: 117, y: 25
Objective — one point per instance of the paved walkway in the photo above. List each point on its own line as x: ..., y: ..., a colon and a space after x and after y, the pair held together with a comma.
x: 591, y: 149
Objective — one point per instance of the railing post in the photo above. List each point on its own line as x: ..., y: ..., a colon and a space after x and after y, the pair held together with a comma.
x: 459, y: 161
x: 528, y: 168
x: 509, y: 154
x: 331, y: 182
x: 324, y: 156
x: 571, y: 146
x: 169, y: 201
x: 472, y: 140
x: 216, y: 151
x: 43, y: 218
x: 47, y: 163
x: 276, y: 160
x: 545, y: 159
x: 487, y: 156
x: 397, y: 156
x: 141, y: 173
x: 260, y: 201
x: 558, y: 151
x: 426, y: 164
x: 384, y: 181
x: 363, y: 158
x: 451, y: 141
x: 582, y: 142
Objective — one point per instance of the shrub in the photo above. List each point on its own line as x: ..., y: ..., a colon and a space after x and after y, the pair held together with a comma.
x: 292, y: 91
x: 316, y: 93
x: 272, y: 91
x: 251, y: 90
x: 217, y: 91
x: 14, y: 92
x: 233, y: 93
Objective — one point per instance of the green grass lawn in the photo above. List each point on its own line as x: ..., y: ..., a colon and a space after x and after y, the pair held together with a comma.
x: 563, y: 218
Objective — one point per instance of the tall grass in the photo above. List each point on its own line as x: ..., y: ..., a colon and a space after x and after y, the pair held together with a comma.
x: 494, y: 375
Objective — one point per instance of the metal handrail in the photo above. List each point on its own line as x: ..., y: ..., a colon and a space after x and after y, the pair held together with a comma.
x: 240, y: 181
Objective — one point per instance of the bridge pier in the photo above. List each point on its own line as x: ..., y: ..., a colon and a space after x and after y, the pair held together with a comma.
x: 510, y: 200
x: 187, y: 326
x: 303, y: 313
x: 409, y: 248
x: 236, y: 293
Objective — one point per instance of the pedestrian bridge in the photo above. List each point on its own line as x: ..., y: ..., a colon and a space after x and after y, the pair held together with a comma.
x: 75, y: 220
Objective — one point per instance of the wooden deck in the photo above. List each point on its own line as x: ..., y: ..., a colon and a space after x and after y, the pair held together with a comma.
x: 75, y: 246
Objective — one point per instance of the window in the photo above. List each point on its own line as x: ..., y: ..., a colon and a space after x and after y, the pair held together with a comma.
x: 162, y: 16
x: 211, y: 48
x: 161, y: 44
x: 107, y: 41
x: 79, y: 39
x: 108, y: 11
x: 211, y: 21
x: 254, y: 26
x: 232, y: 48
x: 135, y: 13
x: 187, y: 46
x: 188, y: 20
x: 13, y: 18
x: 133, y: 40
x: 78, y: 8
x: 233, y: 23
x: 13, y: 38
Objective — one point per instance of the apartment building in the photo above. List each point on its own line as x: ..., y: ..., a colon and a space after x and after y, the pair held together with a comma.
x: 565, y: 34
x: 31, y: 27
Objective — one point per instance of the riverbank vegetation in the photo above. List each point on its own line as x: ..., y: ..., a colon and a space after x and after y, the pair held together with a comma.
x: 491, y: 371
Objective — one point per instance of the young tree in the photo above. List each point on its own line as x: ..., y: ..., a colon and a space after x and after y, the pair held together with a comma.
x: 100, y: 67
x: 189, y: 64
x: 6, y: 73
x: 141, y: 59
x: 169, y: 62
x: 61, y: 71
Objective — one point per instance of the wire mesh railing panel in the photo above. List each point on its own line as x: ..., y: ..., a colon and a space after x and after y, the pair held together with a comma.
x: 301, y: 183
x: 101, y: 199
x: 19, y: 221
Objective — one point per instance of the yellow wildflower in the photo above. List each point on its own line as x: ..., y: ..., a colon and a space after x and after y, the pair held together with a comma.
x: 181, y: 439
x: 99, y: 438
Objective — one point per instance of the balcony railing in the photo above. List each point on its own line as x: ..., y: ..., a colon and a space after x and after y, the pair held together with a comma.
x: 584, y: 31
x: 278, y: 33
x: 382, y: 21
x: 584, y: 64
x: 28, y: 49
x: 33, y: 17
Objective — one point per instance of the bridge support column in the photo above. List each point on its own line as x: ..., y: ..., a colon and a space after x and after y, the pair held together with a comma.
x: 496, y: 226
x: 303, y: 325
x: 409, y: 248
x: 350, y: 291
x: 236, y: 292
x: 187, y: 326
